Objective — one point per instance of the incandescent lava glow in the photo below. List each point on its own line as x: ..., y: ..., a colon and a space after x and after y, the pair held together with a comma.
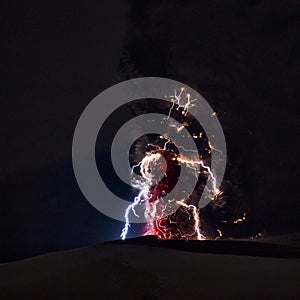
x: 185, y: 222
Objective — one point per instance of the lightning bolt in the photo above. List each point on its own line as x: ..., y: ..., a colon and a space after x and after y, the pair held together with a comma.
x: 196, y: 218
x: 177, y: 99
x: 191, y: 163
x: 143, y: 195
x: 155, y: 225
x: 137, y: 200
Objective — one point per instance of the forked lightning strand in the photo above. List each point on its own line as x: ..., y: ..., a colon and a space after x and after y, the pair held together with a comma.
x: 145, y: 183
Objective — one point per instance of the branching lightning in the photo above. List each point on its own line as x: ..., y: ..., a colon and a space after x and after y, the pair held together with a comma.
x: 177, y: 99
x: 196, y: 218
x: 156, y: 224
x: 144, y: 185
x: 192, y: 163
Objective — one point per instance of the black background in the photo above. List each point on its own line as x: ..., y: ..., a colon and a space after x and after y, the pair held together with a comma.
x: 242, y: 56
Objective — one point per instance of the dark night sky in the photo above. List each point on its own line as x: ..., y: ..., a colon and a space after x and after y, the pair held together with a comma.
x: 242, y: 56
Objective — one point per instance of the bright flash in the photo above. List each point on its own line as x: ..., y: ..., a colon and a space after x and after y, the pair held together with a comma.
x: 156, y: 224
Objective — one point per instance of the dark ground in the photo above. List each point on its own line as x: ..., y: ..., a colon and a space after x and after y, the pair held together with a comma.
x: 146, y: 269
